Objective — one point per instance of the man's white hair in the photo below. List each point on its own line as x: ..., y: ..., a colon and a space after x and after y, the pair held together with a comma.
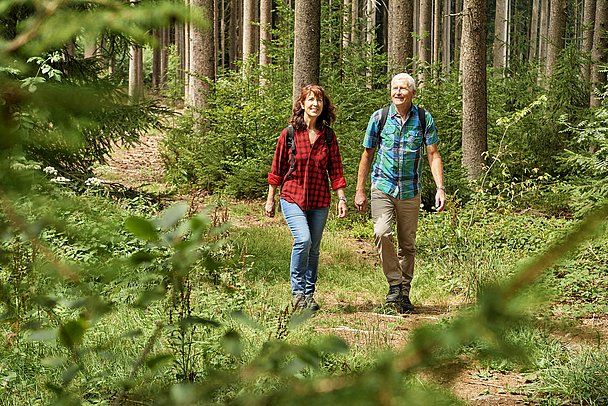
x: 410, y: 80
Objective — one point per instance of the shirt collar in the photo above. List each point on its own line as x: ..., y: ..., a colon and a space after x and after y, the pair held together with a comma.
x: 393, y: 110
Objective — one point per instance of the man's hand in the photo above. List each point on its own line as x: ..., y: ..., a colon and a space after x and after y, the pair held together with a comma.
x: 361, y: 201
x: 440, y: 200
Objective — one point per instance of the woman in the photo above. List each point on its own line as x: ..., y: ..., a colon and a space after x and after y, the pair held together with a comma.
x: 305, y: 195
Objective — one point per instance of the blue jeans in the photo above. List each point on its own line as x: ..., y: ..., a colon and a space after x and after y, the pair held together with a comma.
x: 307, y: 229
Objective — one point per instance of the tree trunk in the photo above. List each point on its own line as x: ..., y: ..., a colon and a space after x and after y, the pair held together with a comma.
x: 354, y: 18
x: 248, y: 22
x: 201, y: 59
x: 222, y: 57
x: 557, y: 28
x: 399, y: 35
x: 234, y: 33
x: 216, y: 35
x: 588, y: 24
x: 474, y: 91
x: 424, y: 33
x: 181, y: 50
x: 265, y: 30
x: 598, y: 53
x: 136, y: 83
x: 165, y: 40
x: 446, y: 53
x: 534, y: 19
x: 500, y: 36
x: 457, y: 31
x: 307, y: 44
x: 437, y: 31
x: 544, y: 31
x: 347, y: 13
x: 156, y: 59
x: 370, y: 23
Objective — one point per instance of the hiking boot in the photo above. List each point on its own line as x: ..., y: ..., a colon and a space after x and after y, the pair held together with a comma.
x: 394, y: 292
x: 405, y: 305
x: 298, y: 301
x: 311, y: 303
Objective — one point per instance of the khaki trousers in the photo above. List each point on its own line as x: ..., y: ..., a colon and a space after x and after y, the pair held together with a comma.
x: 397, y: 264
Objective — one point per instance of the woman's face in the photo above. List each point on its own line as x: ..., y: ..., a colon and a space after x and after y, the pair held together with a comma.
x: 312, y: 106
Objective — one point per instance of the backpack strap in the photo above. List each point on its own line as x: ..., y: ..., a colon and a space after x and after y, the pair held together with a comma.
x: 329, y: 135
x: 383, y: 117
x: 422, y: 121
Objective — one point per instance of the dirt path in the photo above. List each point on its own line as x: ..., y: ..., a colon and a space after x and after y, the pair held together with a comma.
x: 141, y: 166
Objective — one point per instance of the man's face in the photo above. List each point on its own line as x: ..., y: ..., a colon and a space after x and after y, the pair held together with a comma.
x: 401, y: 94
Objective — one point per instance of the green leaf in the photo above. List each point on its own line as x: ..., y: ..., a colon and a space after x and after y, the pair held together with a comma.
x: 299, y: 318
x: 246, y: 320
x: 150, y: 296
x: 46, y: 335
x: 72, y: 332
x: 142, y: 228
x: 53, y: 362
x: 69, y: 374
x: 172, y: 215
x: 142, y: 257
x: 333, y: 344
x: 152, y: 362
x: 232, y: 343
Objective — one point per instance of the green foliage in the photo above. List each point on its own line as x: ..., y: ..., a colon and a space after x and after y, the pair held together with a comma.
x: 234, y: 148
x: 589, y: 161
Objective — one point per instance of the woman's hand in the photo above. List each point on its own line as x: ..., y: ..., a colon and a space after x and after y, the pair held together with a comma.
x: 342, y: 209
x: 270, y: 207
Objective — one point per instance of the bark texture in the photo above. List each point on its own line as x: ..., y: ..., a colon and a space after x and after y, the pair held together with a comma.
x: 474, y: 91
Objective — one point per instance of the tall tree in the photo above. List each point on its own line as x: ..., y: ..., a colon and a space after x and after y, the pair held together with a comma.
x: 307, y: 44
x: 399, y: 35
x: 598, y: 53
x: 201, y: 58
x: 347, y: 13
x: 265, y: 30
x: 543, y: 37
x: 136, y: 67
x: 437, y: 24
x: 156, y: 59
x: 534, y: 20
x: 354, y: 7
x: 446, y: 53
x: 370, y: 23
x: 557, y: 29
x: 424, y: 33
x: 136, y: 81
x: 457, y: 30
x: 234, y: 32
x: 474, y: 87
x: 500, y: 35
x: 248, y: 29
x: 588, y: 24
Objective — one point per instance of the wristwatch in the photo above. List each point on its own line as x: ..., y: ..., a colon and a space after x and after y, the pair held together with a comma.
x: 342, y: 199
x: 441, y: 187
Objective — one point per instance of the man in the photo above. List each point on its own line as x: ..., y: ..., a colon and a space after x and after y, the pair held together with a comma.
x: 396, y: 152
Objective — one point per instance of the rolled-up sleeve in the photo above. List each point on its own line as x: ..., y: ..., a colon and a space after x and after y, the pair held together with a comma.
x: 280, y: 161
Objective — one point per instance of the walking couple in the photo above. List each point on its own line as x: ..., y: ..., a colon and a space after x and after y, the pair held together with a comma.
x: 307, y: 157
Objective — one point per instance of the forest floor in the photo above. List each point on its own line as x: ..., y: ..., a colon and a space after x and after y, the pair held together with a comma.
x: 142, y: 165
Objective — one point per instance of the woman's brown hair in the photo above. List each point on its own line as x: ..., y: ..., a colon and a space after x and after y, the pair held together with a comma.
x: 327, y: 116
